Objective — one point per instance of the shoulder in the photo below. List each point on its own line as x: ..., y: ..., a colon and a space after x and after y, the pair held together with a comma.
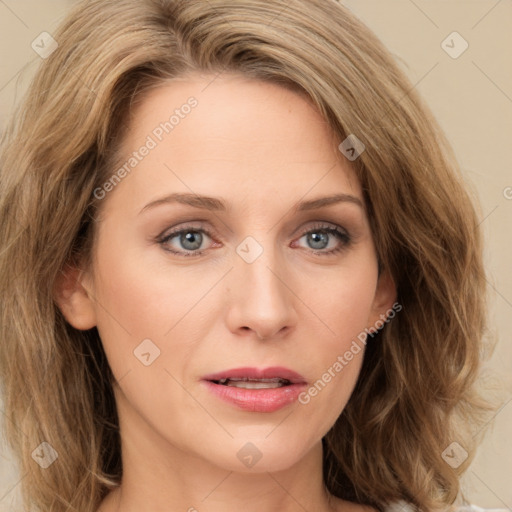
x: 402, y: 506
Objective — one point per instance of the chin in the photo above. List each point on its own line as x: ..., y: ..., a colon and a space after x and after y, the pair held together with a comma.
x: 257, y: 454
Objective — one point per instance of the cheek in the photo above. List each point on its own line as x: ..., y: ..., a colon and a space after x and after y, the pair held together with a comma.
x: 145, y: 301
x: 344, y: 303
x: 133, y: 304
x: 344, y: 306
x: 139, y: 300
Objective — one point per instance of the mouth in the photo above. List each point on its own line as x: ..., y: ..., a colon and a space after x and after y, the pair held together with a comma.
x: 256, y: 378
x: 246, y: 383
x: 256, y: 390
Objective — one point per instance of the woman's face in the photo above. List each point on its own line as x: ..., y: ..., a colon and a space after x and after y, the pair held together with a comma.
x: 236, y: 340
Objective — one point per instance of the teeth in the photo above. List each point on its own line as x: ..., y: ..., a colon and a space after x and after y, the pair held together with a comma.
x: 255, y: 385
x: 245, y: 383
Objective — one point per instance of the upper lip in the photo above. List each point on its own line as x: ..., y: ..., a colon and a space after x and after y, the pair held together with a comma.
x: 275, y: 372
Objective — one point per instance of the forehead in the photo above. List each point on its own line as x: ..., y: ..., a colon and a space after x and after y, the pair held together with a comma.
x: 231, y: 135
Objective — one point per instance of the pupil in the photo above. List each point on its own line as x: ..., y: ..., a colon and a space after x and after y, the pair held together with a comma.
x: 189, y: 238
x: 317, y: 236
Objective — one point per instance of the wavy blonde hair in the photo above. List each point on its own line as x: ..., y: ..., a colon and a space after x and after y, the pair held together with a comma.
x: 416, y: 392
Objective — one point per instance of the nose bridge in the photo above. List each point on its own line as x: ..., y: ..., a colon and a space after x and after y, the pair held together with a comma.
x: 263, y: 300
x: 257, y: 264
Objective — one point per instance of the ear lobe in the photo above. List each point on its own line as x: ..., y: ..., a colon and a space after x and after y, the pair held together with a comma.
x: 73, y: 298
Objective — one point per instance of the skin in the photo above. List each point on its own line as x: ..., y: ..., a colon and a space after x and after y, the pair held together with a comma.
x: 261, y: 148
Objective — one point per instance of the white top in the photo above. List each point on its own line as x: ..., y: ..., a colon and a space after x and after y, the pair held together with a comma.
x: 403, y: 506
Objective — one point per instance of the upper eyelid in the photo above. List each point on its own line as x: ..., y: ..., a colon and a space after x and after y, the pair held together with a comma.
x: 318, y: 224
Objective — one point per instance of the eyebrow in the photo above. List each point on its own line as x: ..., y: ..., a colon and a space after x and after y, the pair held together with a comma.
x: 216, y: 204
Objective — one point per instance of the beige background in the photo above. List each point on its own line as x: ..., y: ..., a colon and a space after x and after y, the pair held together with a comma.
x: 472, y: 98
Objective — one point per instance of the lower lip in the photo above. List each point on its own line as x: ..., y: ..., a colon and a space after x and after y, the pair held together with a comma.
x: 257, y: 400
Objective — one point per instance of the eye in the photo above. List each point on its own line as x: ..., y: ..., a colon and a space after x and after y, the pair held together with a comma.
x: 189, y: 239
x: 319, y: 237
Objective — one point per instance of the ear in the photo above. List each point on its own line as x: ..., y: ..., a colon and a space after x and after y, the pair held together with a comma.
x: 385, y: 297
x: 72, y: 295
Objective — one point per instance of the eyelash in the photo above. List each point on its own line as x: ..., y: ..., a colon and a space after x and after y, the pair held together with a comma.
x: 343, y: 236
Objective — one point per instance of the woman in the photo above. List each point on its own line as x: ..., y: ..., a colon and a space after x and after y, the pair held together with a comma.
x: 240, y: 268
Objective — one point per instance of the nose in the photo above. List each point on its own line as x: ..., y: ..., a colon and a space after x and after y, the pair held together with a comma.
x: 261, y: 302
